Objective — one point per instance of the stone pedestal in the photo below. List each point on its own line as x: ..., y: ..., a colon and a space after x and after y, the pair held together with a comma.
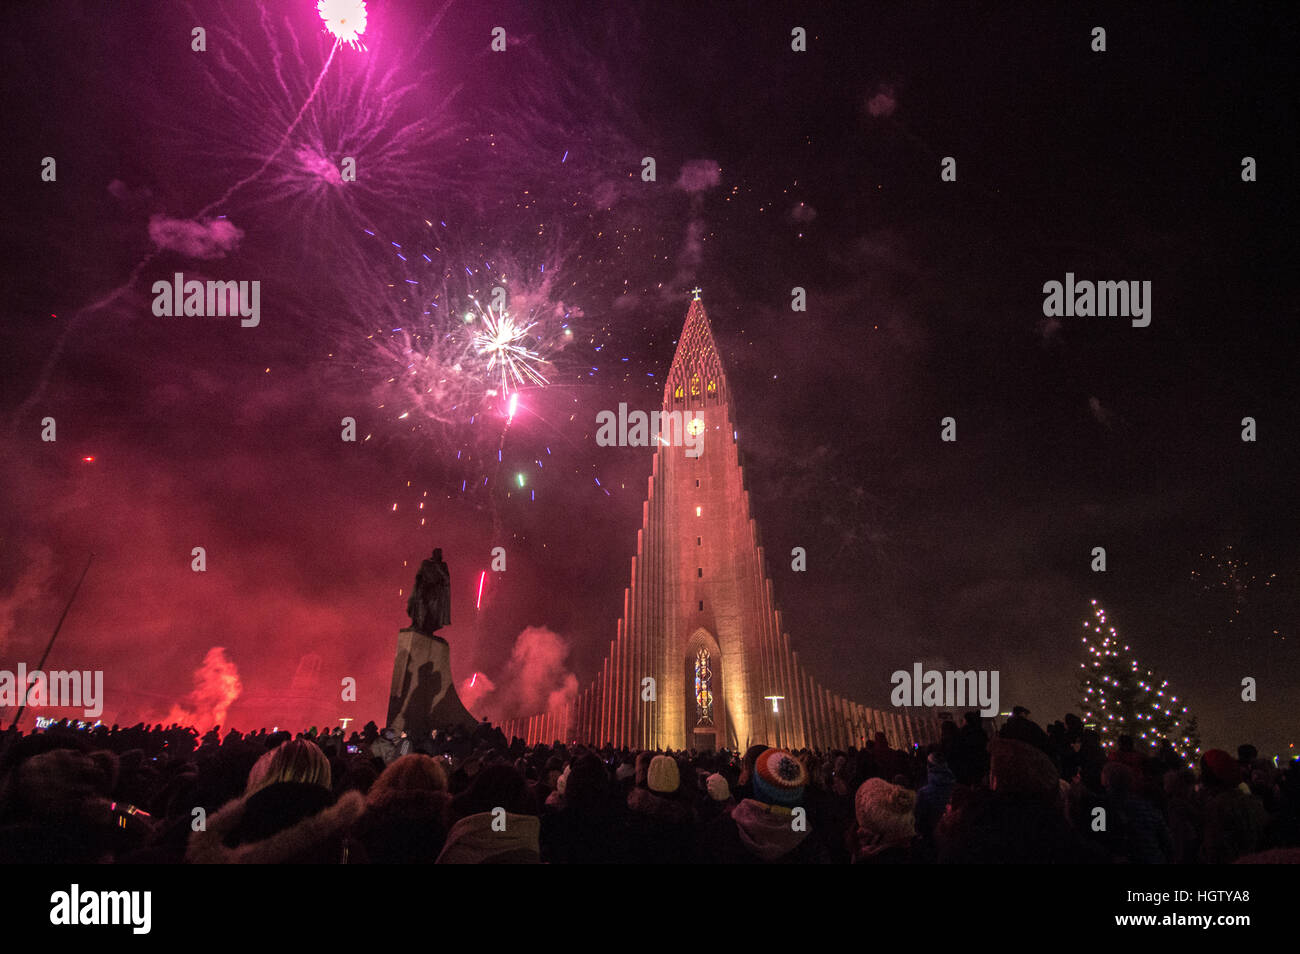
x: 423, y: 696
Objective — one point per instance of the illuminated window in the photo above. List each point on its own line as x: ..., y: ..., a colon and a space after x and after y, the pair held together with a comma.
x: 695, y: 386
x: 703, y: 689
x: 699, y: 511
x: 713, y: 389
x: 679, y: 394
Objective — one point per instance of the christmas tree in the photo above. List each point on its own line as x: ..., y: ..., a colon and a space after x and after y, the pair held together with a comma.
x: 1120, y: 697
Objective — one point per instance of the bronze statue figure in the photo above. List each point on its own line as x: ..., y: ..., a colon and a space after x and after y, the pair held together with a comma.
x: 430, y: 604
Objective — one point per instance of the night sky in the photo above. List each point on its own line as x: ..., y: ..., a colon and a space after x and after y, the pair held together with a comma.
x: 774, y: 169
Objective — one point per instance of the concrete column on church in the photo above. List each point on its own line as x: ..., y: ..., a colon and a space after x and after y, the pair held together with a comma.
x: 604, y: 700
x: 616, y: 663
x: 787, y: 689
x: 825, y: 713
x: 637, y: 632
x: 797, y: 700
x: 810, y: 711
x: 819, y: 718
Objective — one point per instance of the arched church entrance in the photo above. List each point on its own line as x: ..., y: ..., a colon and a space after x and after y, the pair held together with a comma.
x: 706, y: 729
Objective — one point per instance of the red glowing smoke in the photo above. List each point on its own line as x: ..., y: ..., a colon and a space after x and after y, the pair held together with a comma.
x: 216, y: 686
x: 475, y: 689
x: 535, y: 680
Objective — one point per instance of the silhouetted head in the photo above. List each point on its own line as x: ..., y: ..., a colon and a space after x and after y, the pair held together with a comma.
x: 295, y: 761
x: 496, y: 786
x: 413, y: 772
x: 437, y: 555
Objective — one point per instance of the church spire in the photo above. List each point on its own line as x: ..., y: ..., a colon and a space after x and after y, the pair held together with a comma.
x: 695, y: 379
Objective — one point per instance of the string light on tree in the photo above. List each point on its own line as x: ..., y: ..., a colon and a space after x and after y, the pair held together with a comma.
x: 1119, y: 697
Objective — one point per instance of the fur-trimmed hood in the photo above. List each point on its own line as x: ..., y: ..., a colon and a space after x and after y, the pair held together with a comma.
x: 295, y: 843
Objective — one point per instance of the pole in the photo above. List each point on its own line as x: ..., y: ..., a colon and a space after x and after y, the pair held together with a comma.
x: 40, y: 667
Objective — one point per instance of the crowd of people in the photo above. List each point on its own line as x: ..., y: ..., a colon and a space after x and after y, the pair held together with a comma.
x: 166, y: 795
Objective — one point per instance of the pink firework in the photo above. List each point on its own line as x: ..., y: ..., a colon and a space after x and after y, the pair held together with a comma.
x: 345, y: 20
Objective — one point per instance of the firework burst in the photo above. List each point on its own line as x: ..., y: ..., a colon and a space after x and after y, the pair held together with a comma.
x: 504, y: 341
x: 336, y: 156
x: 345, y: 20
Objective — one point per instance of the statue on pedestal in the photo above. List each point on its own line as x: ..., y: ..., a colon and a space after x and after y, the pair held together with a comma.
x: 430, y: 604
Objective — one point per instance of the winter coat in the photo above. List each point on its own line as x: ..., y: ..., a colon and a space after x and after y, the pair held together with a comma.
x: 660, y: 830
x: 1011, y: 828
x: 404, y: 828
x: 932, y: 797
x: 595, y: 834
x: 472, y: 841
x: 284, y: 823
x: 758, y: 833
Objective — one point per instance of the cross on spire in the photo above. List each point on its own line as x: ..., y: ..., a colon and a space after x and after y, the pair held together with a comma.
x: 696, y: 291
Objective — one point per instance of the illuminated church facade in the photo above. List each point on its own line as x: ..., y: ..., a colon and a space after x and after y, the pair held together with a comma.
x: 701, y: 659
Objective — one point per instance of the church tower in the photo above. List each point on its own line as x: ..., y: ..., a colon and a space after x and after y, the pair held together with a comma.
x: 700, y: 659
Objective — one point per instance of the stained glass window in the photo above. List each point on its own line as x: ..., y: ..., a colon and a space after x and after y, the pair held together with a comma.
x: 703, y: 689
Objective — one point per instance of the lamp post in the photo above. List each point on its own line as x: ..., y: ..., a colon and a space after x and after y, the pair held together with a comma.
x: 776, y: 709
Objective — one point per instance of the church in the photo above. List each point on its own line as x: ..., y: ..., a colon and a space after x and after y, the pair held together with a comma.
x: 701, y: 659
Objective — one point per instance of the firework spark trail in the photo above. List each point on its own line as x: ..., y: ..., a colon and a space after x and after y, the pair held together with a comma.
x: 377, y: 111
x: 225, y: 196
x: 42, y: 382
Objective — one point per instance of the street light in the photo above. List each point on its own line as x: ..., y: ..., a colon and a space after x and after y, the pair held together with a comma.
x: 776, y: 709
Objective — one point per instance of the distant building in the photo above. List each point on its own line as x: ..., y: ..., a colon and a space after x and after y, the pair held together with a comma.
x: 699, y: 616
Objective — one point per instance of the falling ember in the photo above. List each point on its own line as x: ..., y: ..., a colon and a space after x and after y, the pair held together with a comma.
x: 514, y: 403
x: 90, y: 459
x: 481, y: 577
x: 345, y: 20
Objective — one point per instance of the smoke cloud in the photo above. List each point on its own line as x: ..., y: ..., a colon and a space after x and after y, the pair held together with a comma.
x: 216, y: 687
x: 536, y: 679
x: 699, y: 175
x: 31, y: 587
x: 475, y: 689
x: 883, y: 103
x: 193, y: 239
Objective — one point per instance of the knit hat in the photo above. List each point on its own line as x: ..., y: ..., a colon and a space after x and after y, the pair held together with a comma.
x: 1021, y: 768
x: 663, y: 776
x: 1221, y: 767
x: 779, y: 778
x: 886, y: 811
x: 717, y: 787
